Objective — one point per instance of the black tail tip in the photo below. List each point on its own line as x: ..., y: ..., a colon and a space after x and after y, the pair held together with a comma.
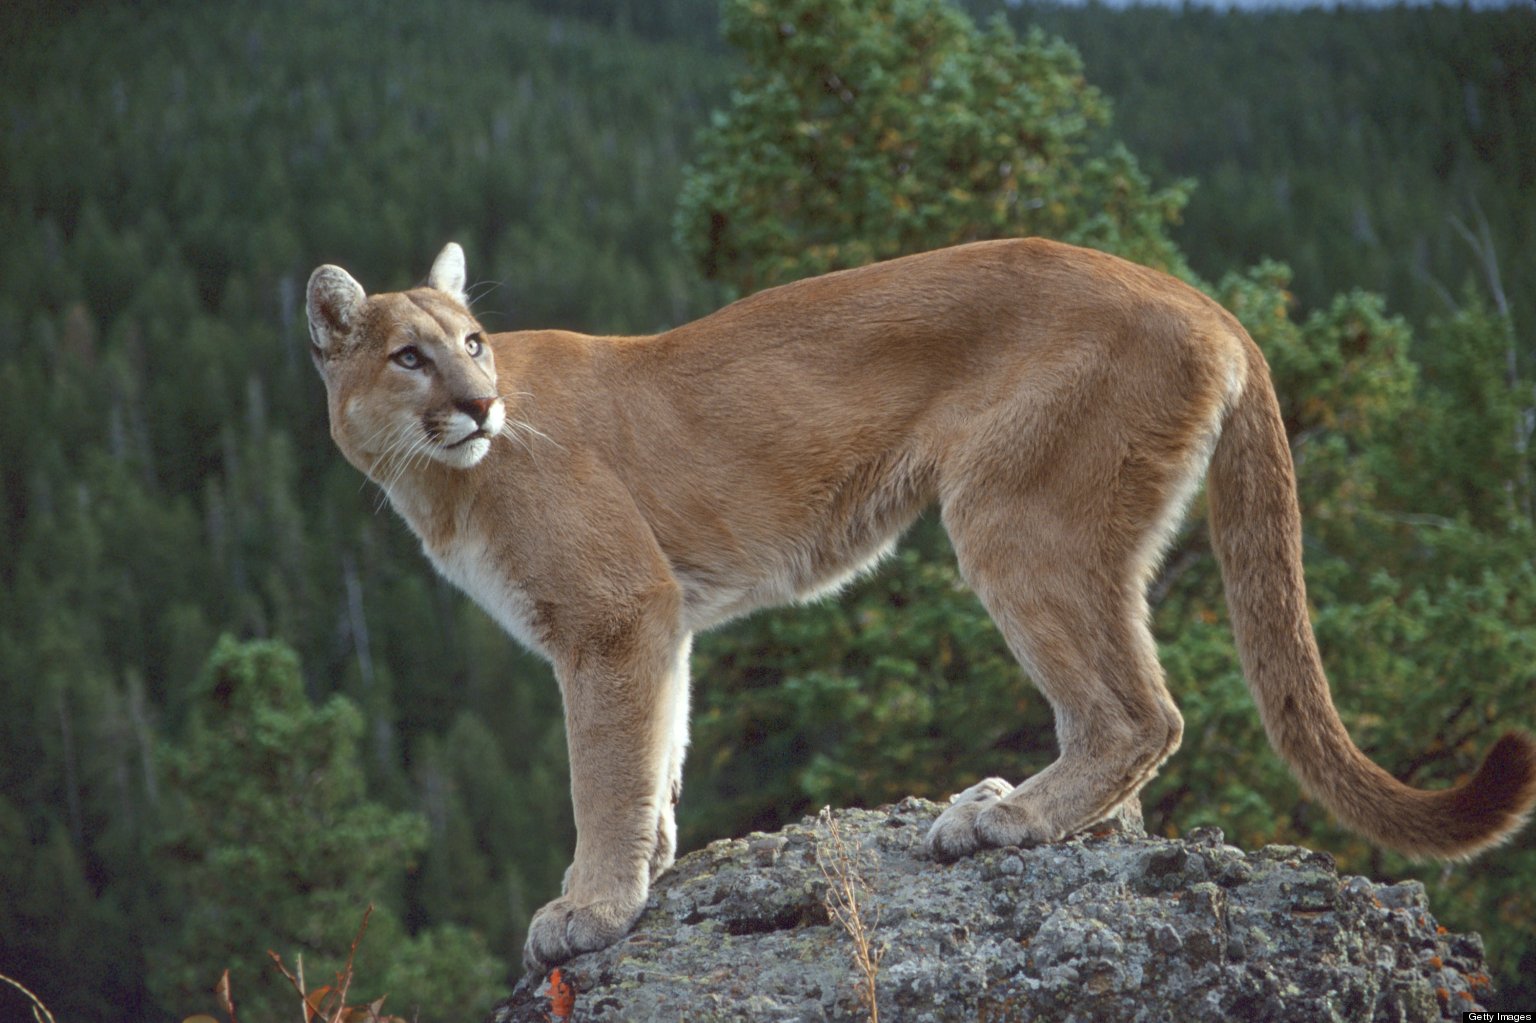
x: 1500, y: 796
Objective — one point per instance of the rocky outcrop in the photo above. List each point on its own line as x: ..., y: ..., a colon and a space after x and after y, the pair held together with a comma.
x: 1106, y: 926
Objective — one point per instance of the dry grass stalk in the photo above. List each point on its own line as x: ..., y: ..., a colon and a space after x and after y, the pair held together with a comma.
x: 329, y: 1004
x: 847, y: 884
x: 40, y: 1011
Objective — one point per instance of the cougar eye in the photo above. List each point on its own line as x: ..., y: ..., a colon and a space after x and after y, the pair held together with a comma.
x: 409, y: 357
x: 474, y: 343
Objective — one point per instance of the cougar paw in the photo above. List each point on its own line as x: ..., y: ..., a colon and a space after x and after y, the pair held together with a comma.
x: 954, y: 834
x: 1013, y: 822
x: 563, y: 929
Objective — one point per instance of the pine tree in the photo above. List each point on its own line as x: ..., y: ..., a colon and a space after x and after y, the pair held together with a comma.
x: 276, y: 845
x: 865, y: 129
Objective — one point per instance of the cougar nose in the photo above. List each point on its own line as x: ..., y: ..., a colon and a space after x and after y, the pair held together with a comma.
x: 476, y: 408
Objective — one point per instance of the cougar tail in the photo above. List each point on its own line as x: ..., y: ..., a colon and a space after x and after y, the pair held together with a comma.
x: 1256, y: 531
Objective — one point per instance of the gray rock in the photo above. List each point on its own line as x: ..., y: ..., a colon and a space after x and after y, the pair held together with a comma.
x: 1107, y: 925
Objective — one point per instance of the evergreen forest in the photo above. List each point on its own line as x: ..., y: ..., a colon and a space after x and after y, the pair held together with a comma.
x: 239, y: 708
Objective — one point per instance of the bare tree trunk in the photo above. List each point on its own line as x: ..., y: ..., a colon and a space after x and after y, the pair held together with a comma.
x: 1482, y: 245
x: 71, y: 773
x: 357, y: 622
x: 138, y: 715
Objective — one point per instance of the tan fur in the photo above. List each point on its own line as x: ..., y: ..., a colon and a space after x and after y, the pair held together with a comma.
x: 1059, y: 405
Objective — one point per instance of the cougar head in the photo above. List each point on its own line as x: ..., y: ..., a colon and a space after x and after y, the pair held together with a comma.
x: 408, y: 375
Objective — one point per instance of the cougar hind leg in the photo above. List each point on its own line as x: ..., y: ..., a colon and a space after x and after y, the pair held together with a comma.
x: 1083, y: 639
x: 1061, y: 557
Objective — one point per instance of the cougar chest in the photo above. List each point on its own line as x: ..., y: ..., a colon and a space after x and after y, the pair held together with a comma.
x: 468, y: 562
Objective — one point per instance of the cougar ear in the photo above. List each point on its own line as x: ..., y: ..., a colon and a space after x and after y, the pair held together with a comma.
x: 447, y: 273
x: 333, y: 302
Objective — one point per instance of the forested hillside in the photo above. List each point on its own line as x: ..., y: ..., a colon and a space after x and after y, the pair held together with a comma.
x: 172, y: 804
x: 169, y: 180
x: 1355, y: 146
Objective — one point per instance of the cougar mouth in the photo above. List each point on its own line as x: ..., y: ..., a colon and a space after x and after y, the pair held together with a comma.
x: 466, y: 452
x: 477, y: 435
x: 469, y: 449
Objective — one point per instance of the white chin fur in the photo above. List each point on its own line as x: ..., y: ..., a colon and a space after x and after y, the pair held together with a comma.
x: 465, y: 455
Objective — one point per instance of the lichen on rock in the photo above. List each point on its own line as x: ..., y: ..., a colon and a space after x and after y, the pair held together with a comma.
x: 1107, y: 925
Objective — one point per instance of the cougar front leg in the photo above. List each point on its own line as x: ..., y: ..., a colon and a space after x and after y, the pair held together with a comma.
x: 672, y: 778
x: 619, y: 718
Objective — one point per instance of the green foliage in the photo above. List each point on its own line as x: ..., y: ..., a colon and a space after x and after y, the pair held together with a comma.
x: 274, y: 844
x: 866, y: 129
x: 866, y: 700
x: 487, y: 839
x: 1353, y: 142
x: 1481, y: 467
x: 168, y: 179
